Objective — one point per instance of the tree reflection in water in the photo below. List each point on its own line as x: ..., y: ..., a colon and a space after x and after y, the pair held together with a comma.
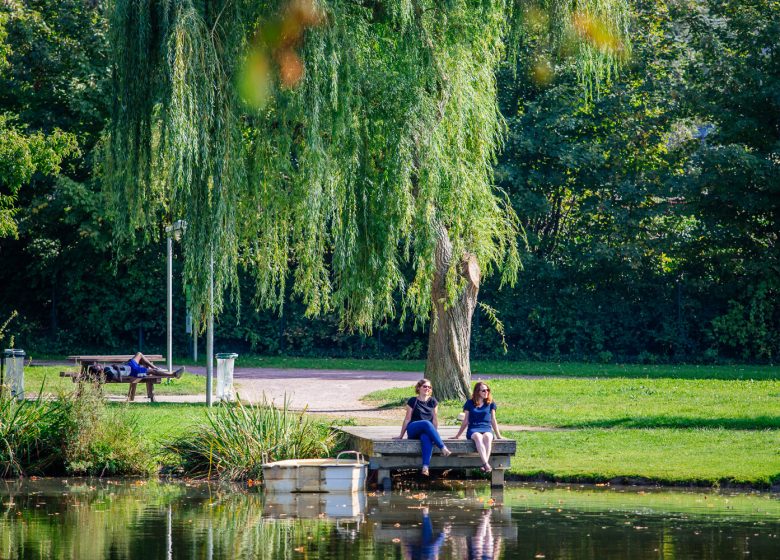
x: 99, y: 519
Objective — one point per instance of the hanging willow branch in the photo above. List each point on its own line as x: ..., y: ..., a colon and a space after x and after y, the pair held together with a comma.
x: 340, y: 182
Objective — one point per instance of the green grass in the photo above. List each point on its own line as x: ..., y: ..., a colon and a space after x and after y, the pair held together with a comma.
x: 163, y: 422
x: 505, y: 367
x: 628, y: 403
x: 49, y: 376
x: 698, y: 456
x: 672, y: 431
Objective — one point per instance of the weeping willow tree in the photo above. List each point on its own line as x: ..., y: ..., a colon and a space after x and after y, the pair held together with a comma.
x: 362, y: 178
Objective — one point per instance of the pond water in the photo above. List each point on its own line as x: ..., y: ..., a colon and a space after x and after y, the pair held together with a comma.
x: 88, y: 519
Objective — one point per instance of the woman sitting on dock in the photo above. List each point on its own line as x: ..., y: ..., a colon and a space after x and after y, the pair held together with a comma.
x: 422, y: 422
x: 480, y: 418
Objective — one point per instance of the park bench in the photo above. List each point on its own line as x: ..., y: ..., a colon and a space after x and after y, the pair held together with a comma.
x: 83, y: 374
x: 385, y: 453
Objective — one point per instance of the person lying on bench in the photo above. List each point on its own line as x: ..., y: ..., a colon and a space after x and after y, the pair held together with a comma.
x: 140, y: 367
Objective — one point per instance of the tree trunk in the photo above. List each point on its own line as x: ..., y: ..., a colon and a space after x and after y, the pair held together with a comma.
x: 448, y: 366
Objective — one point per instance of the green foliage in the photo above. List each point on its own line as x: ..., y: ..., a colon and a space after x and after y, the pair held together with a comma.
x: 100, y: 441
x: 28, y: 430
x: 237, y: 439
x: 389, y: 138
x: 752, y: 329
x: 21, y: 156
x: 639, y: 236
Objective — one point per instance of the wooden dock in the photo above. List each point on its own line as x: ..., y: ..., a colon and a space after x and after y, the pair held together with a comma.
x: 385, y: 453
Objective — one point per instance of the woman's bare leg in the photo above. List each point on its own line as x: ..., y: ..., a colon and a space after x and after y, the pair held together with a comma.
x: 477, y: 438
x: 487, y: 439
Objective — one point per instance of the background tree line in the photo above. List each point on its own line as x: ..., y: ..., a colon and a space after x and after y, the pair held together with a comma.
x: 649, y: 211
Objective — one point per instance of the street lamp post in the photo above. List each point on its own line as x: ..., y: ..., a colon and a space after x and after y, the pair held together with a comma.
x: 174, y: 231
x: 210, y: 333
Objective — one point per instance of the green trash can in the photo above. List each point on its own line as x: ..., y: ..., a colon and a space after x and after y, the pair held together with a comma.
x: 225, y: 391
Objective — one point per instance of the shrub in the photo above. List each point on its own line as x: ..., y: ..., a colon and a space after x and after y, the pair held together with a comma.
x: 237, y: 439
x: 99, y: 441
x: 28, y: 435
x: 605, y: 357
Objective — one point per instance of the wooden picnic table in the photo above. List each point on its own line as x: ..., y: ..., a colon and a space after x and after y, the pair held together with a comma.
x: 83, y: 375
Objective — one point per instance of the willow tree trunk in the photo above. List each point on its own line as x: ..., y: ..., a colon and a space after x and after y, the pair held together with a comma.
x: 448, y: 366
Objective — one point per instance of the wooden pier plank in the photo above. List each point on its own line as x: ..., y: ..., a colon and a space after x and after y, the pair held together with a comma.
x: 385, y: 453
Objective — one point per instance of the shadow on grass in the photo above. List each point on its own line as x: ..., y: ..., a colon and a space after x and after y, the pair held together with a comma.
x: 755, y: 423
x: 395, y: 403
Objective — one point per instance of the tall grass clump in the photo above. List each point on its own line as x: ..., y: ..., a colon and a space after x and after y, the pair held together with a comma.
x: 98, y: 440
x: 237, y: 439
x: 28, y: 435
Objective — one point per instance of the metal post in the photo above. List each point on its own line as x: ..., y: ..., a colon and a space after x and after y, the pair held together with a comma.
x: 195, y: 344
x: 170, y: 301
x: 210, y: 333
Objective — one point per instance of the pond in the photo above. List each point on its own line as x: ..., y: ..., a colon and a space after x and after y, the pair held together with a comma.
x: 85, y: 519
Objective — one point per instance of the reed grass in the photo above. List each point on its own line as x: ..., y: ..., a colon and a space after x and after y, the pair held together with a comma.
x: 237, y: 439
x: 25, y: 435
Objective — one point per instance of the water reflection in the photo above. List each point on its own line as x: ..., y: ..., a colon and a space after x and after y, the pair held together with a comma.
x: 106, y: 519
x: 442, y: 525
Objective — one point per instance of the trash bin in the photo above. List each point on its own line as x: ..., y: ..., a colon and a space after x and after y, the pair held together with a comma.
x: 225, y: 390
x: 14, y: 367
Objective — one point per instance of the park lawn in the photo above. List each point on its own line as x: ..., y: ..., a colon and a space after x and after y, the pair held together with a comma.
x: 161, y: 423
x: 691, y: 456
x: 505, y: 367
x: 49, y: 378
x: 627, y: 403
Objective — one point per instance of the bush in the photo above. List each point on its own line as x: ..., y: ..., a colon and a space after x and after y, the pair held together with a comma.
x: 236, y: 440
x: 98, y: 441
x: 28, y: 435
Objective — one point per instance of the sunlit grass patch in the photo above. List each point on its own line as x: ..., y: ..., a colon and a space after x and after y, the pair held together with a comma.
x: 696, y: 456
x: 627, y: 403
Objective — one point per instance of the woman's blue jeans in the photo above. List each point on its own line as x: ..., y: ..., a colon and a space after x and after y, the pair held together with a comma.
x: 428, y: 435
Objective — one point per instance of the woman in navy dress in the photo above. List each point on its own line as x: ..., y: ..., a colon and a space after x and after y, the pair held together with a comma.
x: 422, y: 422
x: 480, y: 419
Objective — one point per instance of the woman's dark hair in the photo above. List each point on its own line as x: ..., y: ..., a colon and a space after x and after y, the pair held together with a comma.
x: 475, y: 394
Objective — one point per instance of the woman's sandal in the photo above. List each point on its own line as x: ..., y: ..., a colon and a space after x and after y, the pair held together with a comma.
x: 425, y: 471
x: 487, y: 468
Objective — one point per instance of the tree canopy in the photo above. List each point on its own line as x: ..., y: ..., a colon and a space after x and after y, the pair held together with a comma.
x: 344, y: 180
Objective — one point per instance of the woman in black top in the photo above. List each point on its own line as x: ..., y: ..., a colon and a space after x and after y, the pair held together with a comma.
x: 422, y: 422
